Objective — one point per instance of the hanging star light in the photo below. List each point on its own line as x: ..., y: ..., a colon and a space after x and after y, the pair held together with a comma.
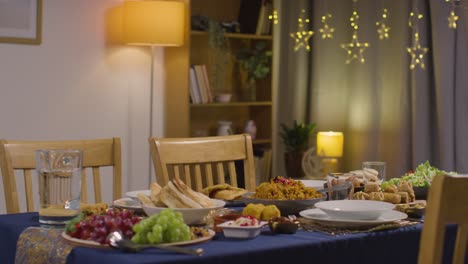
x: 326, y: 30
x: 416, y: 52
x: 301, y: 36
x: 452, y: 18
x: 382, y: 27
x: 274, y: 17
x: 355, y: 49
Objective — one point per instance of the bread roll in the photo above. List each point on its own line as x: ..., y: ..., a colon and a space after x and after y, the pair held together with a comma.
x: 360, y: 196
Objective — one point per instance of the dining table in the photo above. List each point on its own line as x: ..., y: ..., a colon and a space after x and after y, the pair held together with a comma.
x: 23, y: 240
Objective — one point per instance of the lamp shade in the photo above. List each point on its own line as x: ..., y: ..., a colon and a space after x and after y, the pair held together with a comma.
x: 153, y: 23
x: 330, y: 144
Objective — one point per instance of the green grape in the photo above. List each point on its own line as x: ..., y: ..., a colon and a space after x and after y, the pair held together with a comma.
x: 157, y: 229
x: 163, y: 221
x: 154, y: 238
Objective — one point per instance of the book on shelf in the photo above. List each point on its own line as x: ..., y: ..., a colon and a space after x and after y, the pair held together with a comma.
x: 207, y: 84
x: 194, y: 88
x: 264, y: 23
x: 200, y: 90
x: 249, y: 12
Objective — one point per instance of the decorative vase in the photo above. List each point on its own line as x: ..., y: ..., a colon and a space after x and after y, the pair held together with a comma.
x: 251, y: 90
x: 251, y: 129
x: 293, y: 164
x: 224, y: 128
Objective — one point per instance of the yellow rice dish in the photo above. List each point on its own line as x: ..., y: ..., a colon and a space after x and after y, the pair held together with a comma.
x: 280, y: 188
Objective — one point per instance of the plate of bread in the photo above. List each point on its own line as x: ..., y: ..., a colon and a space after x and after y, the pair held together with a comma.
x: 194, y: 206
x: 230, y: 194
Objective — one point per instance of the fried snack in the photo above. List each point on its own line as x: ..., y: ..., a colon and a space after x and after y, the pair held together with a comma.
x: 270, y: 211
x: 404, y: 197
x: 224, y: 192
x: 371, y: 187
x: 405, y: 186
x: 371, y: 175
x: 97, y: 208
x: 254, y: 210
x: 392, y: 198
x: 376, y: 196
x: 391, y: 188
x: 280, y: 188
x: 361, y: 196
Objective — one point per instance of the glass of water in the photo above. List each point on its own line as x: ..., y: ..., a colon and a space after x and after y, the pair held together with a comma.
x: 59, y: 184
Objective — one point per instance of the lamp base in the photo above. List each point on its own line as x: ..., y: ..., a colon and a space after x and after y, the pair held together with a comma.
x: 329, y: 165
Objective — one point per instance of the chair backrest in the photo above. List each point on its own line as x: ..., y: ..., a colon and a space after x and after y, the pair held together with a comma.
x: 446, y: 203
x: 203, y: 161
x: 20, y: 155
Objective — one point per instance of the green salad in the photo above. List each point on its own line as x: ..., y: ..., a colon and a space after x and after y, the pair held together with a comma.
x: 420, y: 177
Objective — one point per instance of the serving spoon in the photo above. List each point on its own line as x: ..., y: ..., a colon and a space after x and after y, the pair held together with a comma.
x: 116, y: 240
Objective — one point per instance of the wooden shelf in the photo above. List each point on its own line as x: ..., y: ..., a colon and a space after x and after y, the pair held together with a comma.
x: 234, y: 35
x: 232, y: 104
x: 262, y: 141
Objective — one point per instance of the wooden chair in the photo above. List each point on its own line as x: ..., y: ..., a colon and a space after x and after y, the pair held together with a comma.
x: 204, y: 160
x: 20, y: 155
x: 446, y: 204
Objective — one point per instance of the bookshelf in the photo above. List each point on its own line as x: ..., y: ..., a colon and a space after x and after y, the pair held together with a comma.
x: 185, y: 118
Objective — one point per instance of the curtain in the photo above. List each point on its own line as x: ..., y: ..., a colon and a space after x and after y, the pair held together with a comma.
x: 386, y: 111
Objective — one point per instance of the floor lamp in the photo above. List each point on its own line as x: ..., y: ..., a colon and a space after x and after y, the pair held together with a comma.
x: 153, y: 23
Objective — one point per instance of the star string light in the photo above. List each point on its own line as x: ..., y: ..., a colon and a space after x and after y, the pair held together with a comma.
x: 301, y: 36
x: 416, y: 51
x: 452, y: 18
x: 355, y: 49
x: 382, y: 27
x: 274, y: 17
x: 326, y: 30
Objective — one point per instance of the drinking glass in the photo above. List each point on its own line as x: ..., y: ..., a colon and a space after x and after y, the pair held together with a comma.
x: 59, y: 184
x: 339, y: 189
x: 373, y: 167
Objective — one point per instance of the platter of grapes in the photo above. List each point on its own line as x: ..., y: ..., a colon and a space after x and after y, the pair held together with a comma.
x: 165, y: 228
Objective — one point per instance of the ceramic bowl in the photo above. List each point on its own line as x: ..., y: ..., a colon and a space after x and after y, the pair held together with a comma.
x: 354, y: 209
x: 286, y: 207
x: 241, y: 232
x: 223, y: 98
x: 283, y: 225
x: 192, y: 216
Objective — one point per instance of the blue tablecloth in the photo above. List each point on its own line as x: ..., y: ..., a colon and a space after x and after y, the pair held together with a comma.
x: 391, y: 246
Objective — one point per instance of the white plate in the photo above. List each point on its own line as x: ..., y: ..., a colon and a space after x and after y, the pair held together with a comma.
x: 317, y: 184
x: 322, y: 218
x: 354, y: 209
x: 133, y: 194
x: 128, y: 203
x: 94, y: 244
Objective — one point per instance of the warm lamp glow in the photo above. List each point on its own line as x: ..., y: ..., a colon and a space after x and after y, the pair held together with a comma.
x: 330, y: 144
x: 154, y: 23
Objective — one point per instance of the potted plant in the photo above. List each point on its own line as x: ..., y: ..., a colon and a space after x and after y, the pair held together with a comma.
x: 296, y: 140
x: 219, y: 56
x: 256, y: 63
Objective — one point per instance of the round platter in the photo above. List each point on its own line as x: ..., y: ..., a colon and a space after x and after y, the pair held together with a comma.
x: 322, y: 218
x: 128, y: 203
x: 286, y: 207
x: 93, y: 244
x: 133, y: 194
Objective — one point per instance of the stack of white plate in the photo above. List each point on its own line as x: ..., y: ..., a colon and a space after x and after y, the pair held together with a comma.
x: 353, y: 212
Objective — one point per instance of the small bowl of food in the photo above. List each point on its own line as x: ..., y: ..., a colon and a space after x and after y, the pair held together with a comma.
x: 283, y: 225
x: 244, y: 227
x: 225, y: 216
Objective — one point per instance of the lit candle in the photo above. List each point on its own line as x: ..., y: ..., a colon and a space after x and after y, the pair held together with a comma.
x: 330, y: 144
